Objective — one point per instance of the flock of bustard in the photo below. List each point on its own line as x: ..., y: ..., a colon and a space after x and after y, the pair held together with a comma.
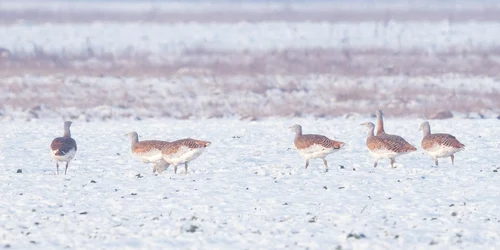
x: 381, y: 145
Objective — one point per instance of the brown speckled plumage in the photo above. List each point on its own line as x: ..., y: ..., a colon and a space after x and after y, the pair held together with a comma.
x: 384, y: 145
x: 183, y: 151
x: 439, y: 145
x: 314, y: 146
x: 148, y: 151
x: 64, y: 148
x: 389, y: 142
x: 308, y: 140
x: 62, y: 145
x: 446, y: 140
x: 174, y: 146
x: 147, y: 145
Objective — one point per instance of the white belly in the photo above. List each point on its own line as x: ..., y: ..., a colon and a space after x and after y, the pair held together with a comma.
x: 67, y: 157
x: 150, y: 156
x: 441, y: 151
x: 184, y: 154
x: 385, y: 154
x: 315, y: 151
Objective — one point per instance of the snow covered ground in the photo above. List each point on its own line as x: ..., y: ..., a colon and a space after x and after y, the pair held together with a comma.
x: 248, y: 190
x: 247, y: 6
x: 174, y: 39
x: 253, y: 97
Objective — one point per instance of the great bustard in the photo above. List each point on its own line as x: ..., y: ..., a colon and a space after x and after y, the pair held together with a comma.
x: 383, y: 145
x: 183, y: 151
x: 439, y: 145
x: 64, y: 148
x: 312, y: 146
x: 148, y: 151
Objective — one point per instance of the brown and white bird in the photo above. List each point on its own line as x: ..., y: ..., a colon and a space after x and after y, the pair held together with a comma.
x: 64, y: 148
x: 439, y: 145
x: 183, y: 151
x: 383, y: 145
x: 148, y: 151
x: 312, y: 146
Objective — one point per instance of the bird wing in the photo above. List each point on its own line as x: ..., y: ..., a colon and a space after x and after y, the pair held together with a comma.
x: 63, y: 145
x: 446, y: 140
x: 146, y: 146
x: 184, y: 144
x: 306, y: 141
x: 389, y: 142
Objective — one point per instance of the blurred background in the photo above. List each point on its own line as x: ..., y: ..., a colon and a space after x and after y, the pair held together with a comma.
x: 98, y: 60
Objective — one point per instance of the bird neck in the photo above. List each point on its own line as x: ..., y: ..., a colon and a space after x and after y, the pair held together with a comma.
x: 298, y: 132
x: 380, y: 125
x: 67, y: 132
x: 370, y: 132
x: 133, y: 140
x: 426, y: 130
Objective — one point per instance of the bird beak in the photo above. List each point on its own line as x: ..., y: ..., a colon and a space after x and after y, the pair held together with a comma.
x: 125, y: 134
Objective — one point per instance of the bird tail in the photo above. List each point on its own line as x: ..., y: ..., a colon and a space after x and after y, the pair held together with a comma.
x: 203, y: 144
x: 59, y: 152
x: 338, y: 144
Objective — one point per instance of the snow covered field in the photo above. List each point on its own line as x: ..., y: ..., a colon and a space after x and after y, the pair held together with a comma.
x: 248, y: 190
x: 247, y: 6
x: 240, y: 82
x: 174, y: 39
x: 246, y: 97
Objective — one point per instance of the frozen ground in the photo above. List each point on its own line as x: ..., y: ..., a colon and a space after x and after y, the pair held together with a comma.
x: 248, y: 190
x: 248, y: 97
x: 173, y: 39
x: 375, y: 43
x: 247, y: 6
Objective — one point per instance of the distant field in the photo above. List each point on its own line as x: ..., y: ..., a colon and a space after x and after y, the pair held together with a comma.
x: 246, y: 11
x: 184, y: 60
x: 245, y: 97
x: 232, y: 16
x: 151, y: 49
x: 342, y: 62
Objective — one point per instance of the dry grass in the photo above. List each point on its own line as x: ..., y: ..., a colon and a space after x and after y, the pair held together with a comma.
x: 347, y: 62
x: 250, y: 97
x: 249, y: 84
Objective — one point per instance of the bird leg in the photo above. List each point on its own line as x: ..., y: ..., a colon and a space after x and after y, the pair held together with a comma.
x: 57, y: 167
x: 452, y: 160
x: 186, y: 168
x: 160, y: 166
x: 66, y: 169
x: 175, y: 169
x: 307, y: 163
x: 392, y: 162
x: 375, y: 164
x: 155, y: 166
x: 326, y: 165
x: 436, y: 161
